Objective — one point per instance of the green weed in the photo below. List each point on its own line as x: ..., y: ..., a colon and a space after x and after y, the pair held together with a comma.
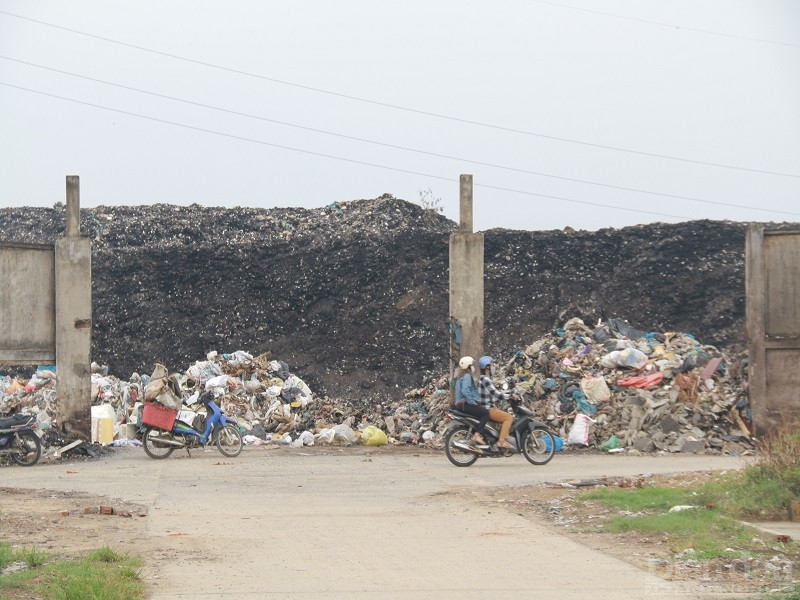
x: 101, y: 575
x: 647, y: 498
x: 104, y: 554
x: 6, y: 555
x: 791, y: 593
x: 707, y: 532
x: 33, y: 557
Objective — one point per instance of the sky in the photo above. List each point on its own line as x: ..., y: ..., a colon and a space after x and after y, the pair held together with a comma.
x: 579, y: 113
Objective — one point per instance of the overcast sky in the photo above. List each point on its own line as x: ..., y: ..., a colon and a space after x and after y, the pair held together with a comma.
x: 692, y: 105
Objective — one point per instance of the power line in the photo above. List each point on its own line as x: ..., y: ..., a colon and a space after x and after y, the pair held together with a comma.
x: 397, y: 147
x: 669, y: 25
x: 398, y: 107
x: 340, y: 158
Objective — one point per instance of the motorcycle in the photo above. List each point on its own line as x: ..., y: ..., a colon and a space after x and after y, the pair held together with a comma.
x: 527, y: 435
x: 19, y: 441
x: 162, y: 432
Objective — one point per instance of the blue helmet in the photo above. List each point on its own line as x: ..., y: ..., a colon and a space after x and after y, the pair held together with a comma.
x: 484, y: 361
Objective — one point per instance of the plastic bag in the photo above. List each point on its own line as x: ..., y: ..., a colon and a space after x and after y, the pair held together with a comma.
x: 325, y: 436
x: 596, y: 389
x: 629, y: 357
x: 344, y: 433
x: 579, y: 433
x: 611, y: 443
x: 372, y: 436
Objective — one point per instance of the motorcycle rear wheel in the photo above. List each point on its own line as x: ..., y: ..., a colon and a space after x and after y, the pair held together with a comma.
x: 457, y: 456
x: 151, y: 445
x: 539, y: 446
x: 26, y: 448
x: 229, y: 440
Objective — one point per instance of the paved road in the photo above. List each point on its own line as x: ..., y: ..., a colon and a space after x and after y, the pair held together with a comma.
x: 350, y: 524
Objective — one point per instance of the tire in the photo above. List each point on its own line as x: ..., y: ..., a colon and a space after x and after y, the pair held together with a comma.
x: 229, y: 440
x: 539, y: 446
x: 26, y: 447
x: 152, y: 447
x: 460, y: 458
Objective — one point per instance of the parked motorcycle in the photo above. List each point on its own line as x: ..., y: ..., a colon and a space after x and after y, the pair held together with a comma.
x: 527, y: 435
x: 19, y: 441
x: 163, y: 432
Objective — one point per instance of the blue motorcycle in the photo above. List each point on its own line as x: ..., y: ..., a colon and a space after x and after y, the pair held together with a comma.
x: 162, y: 432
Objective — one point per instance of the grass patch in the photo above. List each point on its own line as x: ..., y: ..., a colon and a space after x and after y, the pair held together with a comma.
x: 647, y: 498
x: 792, y: 593
x: 33, y: 557
x: 707, y: 532
x: 101, y: 575
x: 6, y: 555
x: 761, y: 491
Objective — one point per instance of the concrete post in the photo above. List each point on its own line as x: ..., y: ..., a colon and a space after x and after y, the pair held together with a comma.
x: 466, y: 280
x: 73, y: 275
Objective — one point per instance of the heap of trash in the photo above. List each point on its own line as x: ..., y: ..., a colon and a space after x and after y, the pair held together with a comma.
x: 616, y: 387
x: 612, y: 387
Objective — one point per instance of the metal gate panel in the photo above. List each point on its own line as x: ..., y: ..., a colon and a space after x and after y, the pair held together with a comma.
x: 782, y: 266
x: 773, y: 326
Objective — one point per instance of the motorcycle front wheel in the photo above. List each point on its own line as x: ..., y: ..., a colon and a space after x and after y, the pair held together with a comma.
x: 229, y: 440
x: 457, y: 456
x: 152, y: 447
x: 26, y: 448
x: 539, y: 446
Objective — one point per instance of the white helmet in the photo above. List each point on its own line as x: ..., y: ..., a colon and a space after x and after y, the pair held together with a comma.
x: 466, y: 362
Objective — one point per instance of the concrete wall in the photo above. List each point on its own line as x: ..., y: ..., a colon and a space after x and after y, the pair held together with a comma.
x: 772, y: 276
x: 46, y: 313
x: 27, y: 304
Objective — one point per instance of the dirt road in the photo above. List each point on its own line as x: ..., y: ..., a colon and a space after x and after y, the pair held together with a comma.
x: 333, y: 523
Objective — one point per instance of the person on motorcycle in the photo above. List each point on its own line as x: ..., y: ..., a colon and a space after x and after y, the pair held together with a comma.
x: 489, y: 395
x: 467, y: 397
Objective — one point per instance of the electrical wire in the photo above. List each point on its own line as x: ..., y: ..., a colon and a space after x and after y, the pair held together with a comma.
x: 399, y: 107
x: 340, y: 158
x: 668, y: 25
x: 397, y: 147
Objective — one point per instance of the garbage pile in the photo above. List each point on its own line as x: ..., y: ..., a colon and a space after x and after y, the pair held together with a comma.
x: 616, y: 387
x: 613, y: 387
x: 270, y: 403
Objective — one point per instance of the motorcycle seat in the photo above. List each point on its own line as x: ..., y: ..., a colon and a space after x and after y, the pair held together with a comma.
x: 13, y: 421
x: 458, y: 413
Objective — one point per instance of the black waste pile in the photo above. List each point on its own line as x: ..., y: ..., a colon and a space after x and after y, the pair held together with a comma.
x: 355, y: 295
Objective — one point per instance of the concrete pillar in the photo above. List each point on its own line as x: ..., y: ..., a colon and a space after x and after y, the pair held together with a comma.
x: 466, y: 280
x: 73, y: 271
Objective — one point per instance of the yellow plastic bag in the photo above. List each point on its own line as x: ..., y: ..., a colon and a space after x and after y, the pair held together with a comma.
x: 372, y: 436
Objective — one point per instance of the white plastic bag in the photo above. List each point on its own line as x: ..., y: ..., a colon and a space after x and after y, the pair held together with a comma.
x: 629, y: 357
x: 325, y: 436
x: 344, y: 433
x: 579, y: 433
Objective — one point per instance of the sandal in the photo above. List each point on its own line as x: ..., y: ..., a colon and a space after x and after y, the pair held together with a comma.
x: 504, y: 444
x: 478, y: 438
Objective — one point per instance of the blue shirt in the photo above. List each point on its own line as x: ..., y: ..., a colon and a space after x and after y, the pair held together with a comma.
x: 466, y: 390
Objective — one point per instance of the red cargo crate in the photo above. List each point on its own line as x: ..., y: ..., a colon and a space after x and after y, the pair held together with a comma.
x: 158, y: 415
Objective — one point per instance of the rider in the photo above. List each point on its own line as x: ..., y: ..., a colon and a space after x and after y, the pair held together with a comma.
x: 490, y: 395
x: 467, y: 399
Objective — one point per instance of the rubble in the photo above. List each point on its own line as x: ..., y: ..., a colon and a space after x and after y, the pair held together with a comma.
x: 683, y: 396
